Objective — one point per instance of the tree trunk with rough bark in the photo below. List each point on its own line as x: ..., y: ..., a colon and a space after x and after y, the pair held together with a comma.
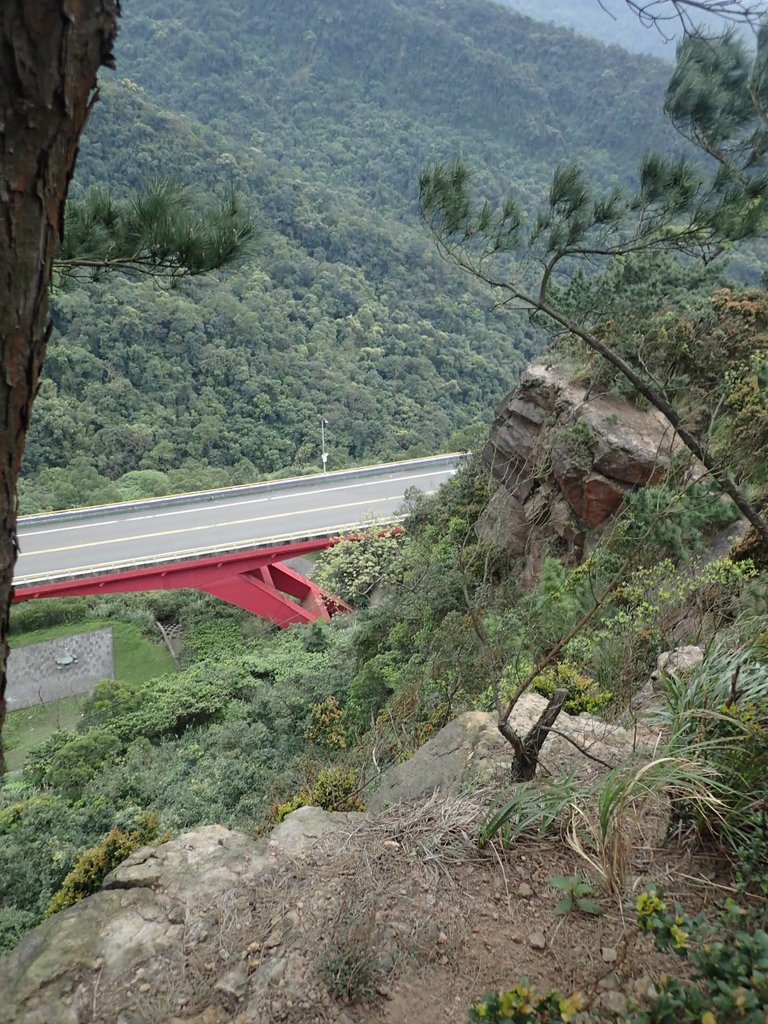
x: 50, y: 54
x: 527, y: 750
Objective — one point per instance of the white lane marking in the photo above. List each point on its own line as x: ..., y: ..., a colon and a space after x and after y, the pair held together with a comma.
x: 212, y: 526
x: 260, y: 544
x: 232, y: 504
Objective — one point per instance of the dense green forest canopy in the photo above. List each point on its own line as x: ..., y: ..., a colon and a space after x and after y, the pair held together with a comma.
x: 320, y: 116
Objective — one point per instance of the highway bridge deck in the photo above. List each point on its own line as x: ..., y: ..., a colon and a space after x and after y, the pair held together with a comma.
x: 92, y: 541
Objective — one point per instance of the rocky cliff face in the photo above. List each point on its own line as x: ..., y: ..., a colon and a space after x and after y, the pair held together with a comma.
x: 567, y: 458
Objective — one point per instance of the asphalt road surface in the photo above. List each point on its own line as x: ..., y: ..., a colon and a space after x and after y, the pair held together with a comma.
x: 100, y: 540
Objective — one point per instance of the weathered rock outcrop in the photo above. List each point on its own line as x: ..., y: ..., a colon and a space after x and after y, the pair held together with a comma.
x: 168, y: 920
x: 470, y: 753
x: 566, y: 459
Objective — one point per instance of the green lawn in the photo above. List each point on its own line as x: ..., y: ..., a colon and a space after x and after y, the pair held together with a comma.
x: 136, y: 661
x: 25, y: 729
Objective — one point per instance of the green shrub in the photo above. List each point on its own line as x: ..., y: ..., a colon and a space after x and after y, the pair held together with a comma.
x: 522, y: 1005
x: 646, y: 610
x: 39, y: 760
x: 206, y: 640
x: 729, y: 982
x: 173, y: 703
x: 560, y: 599
x: 352, y: 569
x: 326, y: 729
x: 32, y: 615
x: 664, y: 522
x: 747, y: 420
x: 14, y: 924
x: 371, y: 688
x: 281, y: 811
x: 336, y: 790
x: 39, y: 840
x: 92, y: 866
x: 576, y: 444
x: 78, y: 761
x: 132, y: 614
x: 584, y: 695
x: 109, y: 699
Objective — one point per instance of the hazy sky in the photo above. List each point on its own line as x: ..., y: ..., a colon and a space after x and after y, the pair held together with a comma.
x: 616, y: 24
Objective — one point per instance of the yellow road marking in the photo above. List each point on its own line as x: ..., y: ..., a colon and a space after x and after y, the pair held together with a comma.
x: 208, y: 526
x: 241, y: 488
x: 178, y: 557
x: 219, y: 507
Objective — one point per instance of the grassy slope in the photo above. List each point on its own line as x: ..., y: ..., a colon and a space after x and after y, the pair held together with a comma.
x: 136, y: 661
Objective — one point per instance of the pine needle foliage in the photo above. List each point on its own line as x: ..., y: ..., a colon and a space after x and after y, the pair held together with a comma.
x: 717, y: 99
x: 161, y: 231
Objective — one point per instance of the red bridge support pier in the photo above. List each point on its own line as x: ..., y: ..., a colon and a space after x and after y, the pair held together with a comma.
x: 258, y: 582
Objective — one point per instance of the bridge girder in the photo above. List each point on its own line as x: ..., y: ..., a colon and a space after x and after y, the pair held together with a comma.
x: 256, y: 581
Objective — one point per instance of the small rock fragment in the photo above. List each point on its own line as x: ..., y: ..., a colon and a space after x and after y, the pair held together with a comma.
x: 234, y: 982
x: 524, y: 890
x: 537, y: 940
x: 644, y: 988
x: 177, y: 914
x: 614, y: 1002
x: 609, y: 982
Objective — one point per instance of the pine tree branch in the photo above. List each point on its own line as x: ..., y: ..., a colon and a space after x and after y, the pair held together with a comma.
x: 656, y: 13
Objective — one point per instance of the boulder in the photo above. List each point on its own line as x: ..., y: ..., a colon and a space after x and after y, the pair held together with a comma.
x: 302, y: 828
x: 566, y: 459
x: 135, y: 927
x: 470, y: 753
x: 679, y: 662
x: 126, y: 948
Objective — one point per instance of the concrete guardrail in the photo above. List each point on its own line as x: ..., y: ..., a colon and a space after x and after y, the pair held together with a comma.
x: 238, y: 490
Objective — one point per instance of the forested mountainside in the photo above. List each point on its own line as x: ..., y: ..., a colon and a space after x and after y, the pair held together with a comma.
x: 320, y: 116
x: 549, y: 690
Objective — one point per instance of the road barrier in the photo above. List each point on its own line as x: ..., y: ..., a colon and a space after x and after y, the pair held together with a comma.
x: 196, y: 497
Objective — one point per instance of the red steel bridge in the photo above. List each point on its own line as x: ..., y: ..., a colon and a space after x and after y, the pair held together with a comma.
x: 242, y: 539
x: 257, y: 581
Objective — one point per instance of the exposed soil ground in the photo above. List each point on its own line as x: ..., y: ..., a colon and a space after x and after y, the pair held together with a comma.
x: 403, y: 920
